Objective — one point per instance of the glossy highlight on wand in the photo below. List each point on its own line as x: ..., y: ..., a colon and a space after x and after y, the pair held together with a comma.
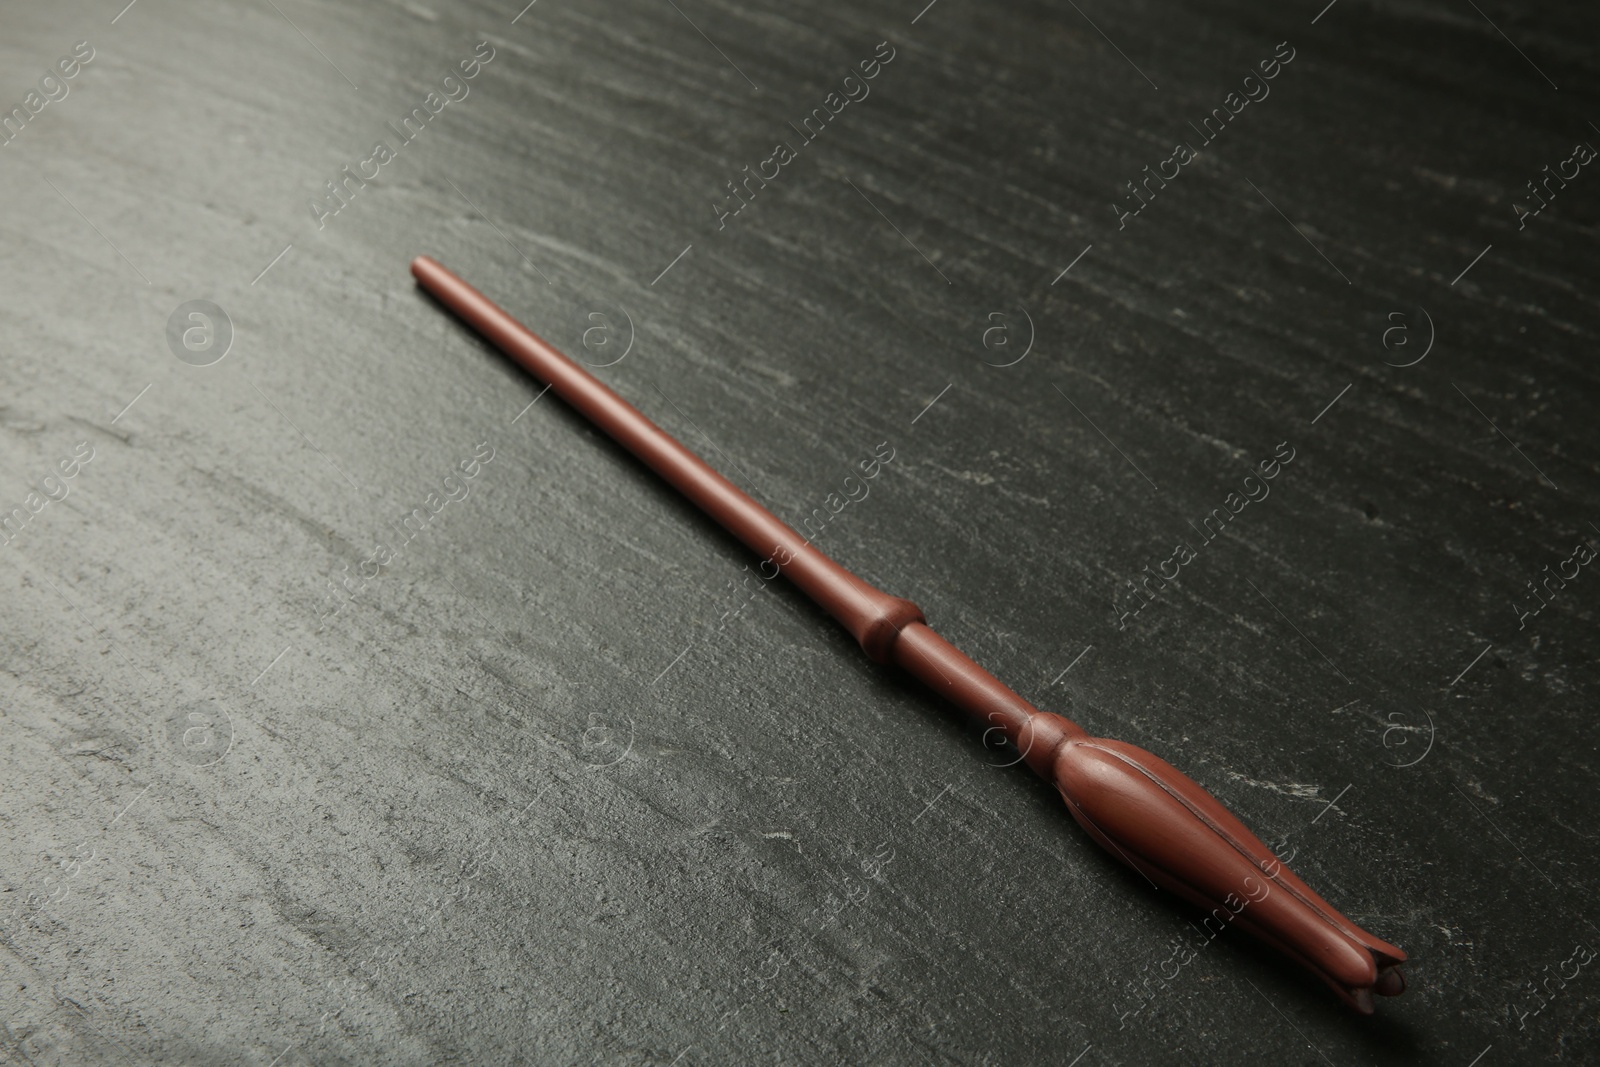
x: 1144, y: 811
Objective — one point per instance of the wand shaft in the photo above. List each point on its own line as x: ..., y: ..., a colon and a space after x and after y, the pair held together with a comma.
x: 890, y: 629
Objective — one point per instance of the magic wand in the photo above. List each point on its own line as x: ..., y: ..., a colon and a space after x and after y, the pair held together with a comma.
x: 1146, y: 812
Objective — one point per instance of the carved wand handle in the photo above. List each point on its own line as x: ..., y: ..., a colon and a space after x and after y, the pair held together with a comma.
x: 1144, y: 811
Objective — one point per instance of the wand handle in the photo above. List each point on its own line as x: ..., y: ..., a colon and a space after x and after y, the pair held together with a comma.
x: 1139, y: 807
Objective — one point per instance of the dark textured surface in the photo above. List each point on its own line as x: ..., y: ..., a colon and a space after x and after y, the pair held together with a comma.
x: 554, y: 787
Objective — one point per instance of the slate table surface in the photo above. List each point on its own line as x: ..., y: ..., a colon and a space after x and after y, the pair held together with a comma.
x: 560, y: 780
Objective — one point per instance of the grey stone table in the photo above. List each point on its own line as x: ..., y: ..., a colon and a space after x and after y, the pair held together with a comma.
x: 358, y: 706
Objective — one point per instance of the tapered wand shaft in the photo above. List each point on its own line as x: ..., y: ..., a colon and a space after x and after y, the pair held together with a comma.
x: 1147, y: 813
x: 889, y: 628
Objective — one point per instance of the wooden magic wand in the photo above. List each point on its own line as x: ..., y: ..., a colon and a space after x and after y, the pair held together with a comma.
x: 1143, y: 810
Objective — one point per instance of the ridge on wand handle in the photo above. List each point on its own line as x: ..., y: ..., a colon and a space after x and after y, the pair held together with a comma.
x: 1144, y: 811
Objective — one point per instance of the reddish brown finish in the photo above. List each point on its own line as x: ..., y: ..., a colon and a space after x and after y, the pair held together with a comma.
x: 1164, y: 825
x: 947, y: 671
x: 1140, y: 808
x: 870, y: 615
